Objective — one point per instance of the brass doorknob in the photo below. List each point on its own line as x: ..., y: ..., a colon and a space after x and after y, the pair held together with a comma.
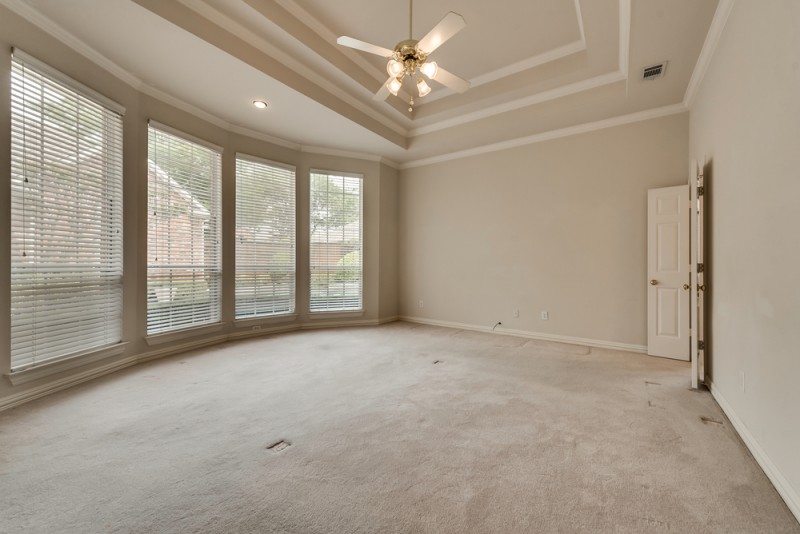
x: 653, y: 282
x: 686, y: 286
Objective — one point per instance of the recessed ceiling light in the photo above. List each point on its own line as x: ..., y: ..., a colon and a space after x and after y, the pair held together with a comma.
x: 260, y: 104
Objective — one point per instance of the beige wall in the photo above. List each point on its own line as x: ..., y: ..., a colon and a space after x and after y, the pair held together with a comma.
x: 379, y: 204
x: 746, y: 122
x: 558, y: 226
x: 388, y: 243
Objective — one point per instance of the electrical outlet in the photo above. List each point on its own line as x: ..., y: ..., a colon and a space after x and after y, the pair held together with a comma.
x: 516, y: 313
x: 421, y: 304
x: 545, y: 316
x: 741, y: 380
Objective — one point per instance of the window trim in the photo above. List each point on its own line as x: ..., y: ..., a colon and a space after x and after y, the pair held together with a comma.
x: 350, y: 312
x: 280, y: 317
x: 44, y: 367
x: 191, y: 330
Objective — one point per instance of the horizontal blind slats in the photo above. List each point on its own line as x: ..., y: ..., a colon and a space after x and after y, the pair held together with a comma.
x: 336, y: 242
x: 183, y: 232
x: 265, y: 238
x: 66, y: 217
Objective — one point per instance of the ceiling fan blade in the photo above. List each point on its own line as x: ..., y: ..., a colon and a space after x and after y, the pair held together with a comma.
x: 451, y: 24
x: 450, y: 80
x: 383, y: 93
x: 364, y: 47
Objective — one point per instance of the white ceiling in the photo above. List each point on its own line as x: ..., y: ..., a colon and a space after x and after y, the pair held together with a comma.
x: 535, y: 67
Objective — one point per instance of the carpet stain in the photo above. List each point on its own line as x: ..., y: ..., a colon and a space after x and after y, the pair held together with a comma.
x: 278, y: 446
x: 710, y: 420
x: 437, y: 361
x: 648, y: 383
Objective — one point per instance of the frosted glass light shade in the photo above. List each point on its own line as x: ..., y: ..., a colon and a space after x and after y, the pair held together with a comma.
x: 394, y: 67
x: 394, y: 85
x: 423, y: 87
x: 430, y: 69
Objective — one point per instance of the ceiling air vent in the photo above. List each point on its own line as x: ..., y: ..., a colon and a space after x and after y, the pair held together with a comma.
x: 654, y: 71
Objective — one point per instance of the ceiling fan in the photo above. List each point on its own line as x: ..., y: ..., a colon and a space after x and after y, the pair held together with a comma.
x: 409, y: 58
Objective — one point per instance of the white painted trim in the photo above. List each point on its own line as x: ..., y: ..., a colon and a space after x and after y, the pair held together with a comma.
x: 65, y: 364
x: 182, y: 347
x: 264, y: 331
x: 46, y: 24
x: 783, y: 486
x: 579, y: 15
x: 538, y: 98
x: 514, y: 68
x: 183, y: 333
x: 336, y: 324
x: 326, y: 34
x: 553, y: 134
x: 571, y: 340
x: 250, y: 322
x: 309, y: 73
x: 45, y: 389
x: 347, y: 154
x: 707, y: 52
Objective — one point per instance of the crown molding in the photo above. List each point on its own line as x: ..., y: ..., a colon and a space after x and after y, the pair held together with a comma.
x: 553, y: 134
x: 707, y: 52
x: 47, y: 25
x: 566, y: 90
x: 538, y: 98
x: 324, y: 151
x: 219, y: 18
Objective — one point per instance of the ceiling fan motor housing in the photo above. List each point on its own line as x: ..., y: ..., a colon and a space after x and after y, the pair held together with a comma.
x: 409, y: 55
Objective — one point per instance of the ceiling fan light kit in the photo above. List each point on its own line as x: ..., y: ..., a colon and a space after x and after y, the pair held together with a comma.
x: 409, y: 59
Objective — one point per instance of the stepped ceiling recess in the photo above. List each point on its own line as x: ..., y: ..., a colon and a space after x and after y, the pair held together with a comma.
x: 536, y: 67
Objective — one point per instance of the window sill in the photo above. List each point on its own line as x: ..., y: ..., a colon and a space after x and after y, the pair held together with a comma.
x: 265, y: 320
x: 342, y: 314
x: 64, y: 364
x: 184, y: 333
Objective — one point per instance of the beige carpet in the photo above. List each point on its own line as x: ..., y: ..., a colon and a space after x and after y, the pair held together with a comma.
x: 502, y: 435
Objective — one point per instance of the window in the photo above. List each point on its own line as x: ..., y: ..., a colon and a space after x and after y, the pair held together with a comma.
x: 183, y: 231
x: 336, y: 246
x: 265, y: 238
x: 66, y: 217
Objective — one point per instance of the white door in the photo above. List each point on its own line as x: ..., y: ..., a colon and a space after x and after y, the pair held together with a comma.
x: 668, y: 272
x: 697, y: 293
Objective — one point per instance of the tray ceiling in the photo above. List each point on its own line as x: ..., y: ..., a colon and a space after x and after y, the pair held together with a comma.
x: 535, y: 67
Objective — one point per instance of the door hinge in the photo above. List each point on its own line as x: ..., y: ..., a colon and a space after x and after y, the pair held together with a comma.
x: 701, y: 345
x: 701, y: 268
x: 700, y: 190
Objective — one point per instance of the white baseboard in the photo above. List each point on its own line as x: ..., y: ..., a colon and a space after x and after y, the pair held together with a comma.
x: 641, y: 349
x: 783, y: 486
x: 57, y: 385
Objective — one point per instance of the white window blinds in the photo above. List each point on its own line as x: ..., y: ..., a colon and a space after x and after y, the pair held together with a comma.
x: 265, y: 238
x: 66, y: 218
x: 336, y: 245
x: 183, y: 232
